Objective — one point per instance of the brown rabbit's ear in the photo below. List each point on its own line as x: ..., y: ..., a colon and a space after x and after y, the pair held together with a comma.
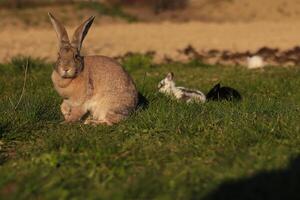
x: 170, y: 76
x: 61, y: 32
x: 81, y: 32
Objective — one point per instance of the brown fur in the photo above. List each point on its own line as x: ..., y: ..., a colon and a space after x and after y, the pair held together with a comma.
x: 96, y: 85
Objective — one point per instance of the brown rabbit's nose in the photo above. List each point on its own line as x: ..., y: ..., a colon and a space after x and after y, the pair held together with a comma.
x: 67, y: 70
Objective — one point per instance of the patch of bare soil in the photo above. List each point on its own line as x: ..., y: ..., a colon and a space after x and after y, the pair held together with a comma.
x: 8, y: 189
x: 226, y: 11
x: 166, y: 39
x: 222, y: 25
x: 270, y: 56
x: 38, y: 18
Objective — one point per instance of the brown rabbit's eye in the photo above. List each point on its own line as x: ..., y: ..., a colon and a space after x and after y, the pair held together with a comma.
x: 77, y: 57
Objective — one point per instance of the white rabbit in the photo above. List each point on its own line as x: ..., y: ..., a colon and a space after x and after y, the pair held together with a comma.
x: 167, y: 86
x: 255, y: 62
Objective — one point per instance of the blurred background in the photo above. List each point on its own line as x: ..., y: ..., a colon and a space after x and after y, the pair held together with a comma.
x: 166, y: 27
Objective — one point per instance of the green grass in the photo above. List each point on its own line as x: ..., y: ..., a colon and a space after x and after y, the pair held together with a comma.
x: 168, y: 151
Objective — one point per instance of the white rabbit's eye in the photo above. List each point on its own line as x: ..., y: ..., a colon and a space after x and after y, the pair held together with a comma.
x: 161, y: 84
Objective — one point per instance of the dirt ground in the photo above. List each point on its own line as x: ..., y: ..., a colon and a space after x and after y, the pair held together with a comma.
x: 230, y: 11
x: 236, y: 26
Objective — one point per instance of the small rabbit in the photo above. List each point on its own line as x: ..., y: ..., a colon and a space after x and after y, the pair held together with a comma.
x: 95, y: 87
x: 255, y: 62
x: 167, y: 86
x: 218, y: 93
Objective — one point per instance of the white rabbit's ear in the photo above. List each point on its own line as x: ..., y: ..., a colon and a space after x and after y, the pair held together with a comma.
x: 170, y: 76
x: 61, y: 32
x: 81, y: 32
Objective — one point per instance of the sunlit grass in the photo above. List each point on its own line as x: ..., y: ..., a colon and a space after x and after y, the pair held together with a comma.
x: 169, y: 150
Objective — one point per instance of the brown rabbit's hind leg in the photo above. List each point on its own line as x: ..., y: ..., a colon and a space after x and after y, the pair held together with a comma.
x: 95, y: 118
x: 115, y: 117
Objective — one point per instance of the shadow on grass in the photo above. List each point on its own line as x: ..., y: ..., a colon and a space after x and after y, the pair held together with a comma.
x: 272, y: 185
x: 3, y: 156
x: 3, y: 128
x: 143, y: 102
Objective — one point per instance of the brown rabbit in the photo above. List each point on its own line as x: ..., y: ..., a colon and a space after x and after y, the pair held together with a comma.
x: 93, y: 86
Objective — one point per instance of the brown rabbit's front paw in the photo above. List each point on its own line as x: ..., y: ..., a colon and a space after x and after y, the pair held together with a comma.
x: 75, y: 114
x: 65, y: 109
